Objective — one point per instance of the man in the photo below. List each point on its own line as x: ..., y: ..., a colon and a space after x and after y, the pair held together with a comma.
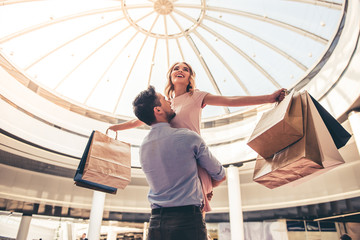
x: 83, y: 237
x: 169, y: 159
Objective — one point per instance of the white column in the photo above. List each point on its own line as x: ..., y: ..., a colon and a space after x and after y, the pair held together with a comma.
x: 112, y: 234
x: 145, y: 230
x: 96, y: 215
x: 69, y: 232
x: 235, y: 208
x: 24, y: 227
x: 354, y: 119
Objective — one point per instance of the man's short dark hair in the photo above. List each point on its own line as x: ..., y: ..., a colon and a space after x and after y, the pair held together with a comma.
x: 144, y: 104
x: 345, y: 237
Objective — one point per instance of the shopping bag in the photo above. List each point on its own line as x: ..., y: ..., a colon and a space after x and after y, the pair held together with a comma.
x: 279, y: 127
x: 96, y: 186
x: 80, y: 170
x: 313, y: 153
x: 339, y: 136
x: 108, y: 162
x: 336, y: 130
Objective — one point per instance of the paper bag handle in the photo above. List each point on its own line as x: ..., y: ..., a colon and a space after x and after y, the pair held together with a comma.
x: 116, y: 133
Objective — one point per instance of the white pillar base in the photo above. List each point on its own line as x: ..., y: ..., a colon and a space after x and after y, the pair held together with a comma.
x: 235, y: 207
x: 145, y: 230
x: 69, y: 231
x: 96, y: 215
x: 112, y: 234
x: 24, y: 227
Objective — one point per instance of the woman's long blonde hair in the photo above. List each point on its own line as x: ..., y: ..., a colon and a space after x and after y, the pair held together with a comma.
x: 169, y: 88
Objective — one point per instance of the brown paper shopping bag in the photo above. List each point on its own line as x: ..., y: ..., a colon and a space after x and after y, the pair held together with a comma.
x: 80, y: 182
x: 279, y: 127
x: 309, y: 156
x: 108, y: 162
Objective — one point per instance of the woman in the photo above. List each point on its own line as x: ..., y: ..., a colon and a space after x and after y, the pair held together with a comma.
x: 187, y: 102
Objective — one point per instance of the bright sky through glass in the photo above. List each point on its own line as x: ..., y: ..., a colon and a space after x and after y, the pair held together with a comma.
x: 100, y: 54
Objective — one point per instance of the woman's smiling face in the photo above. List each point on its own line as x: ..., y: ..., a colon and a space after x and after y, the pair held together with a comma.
x: 180, y: 74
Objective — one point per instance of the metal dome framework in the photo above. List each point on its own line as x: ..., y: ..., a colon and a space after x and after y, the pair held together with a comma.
x: 94, y: 58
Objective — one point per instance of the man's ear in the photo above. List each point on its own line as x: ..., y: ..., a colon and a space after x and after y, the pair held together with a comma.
x: 157, y: 110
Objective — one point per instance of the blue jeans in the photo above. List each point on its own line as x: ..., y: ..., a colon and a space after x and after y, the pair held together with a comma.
x: 177, y: 223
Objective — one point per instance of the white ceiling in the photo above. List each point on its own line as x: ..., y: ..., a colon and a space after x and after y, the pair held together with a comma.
x: 100, y: 54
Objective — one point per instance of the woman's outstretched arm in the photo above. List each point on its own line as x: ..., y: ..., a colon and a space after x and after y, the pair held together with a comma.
x: 126, y: 125
x: 239, y: 101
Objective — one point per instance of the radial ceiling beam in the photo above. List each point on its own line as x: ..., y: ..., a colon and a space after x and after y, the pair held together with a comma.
x: 8, y: 2
x: 273, y: 22
x: 153, y: 61
x: 167, y: 42
x: 196, y: 50
x: 207, y: 70
x: 222, y: 60
x: 321, y: 3
x: 203, y: 63
x: 191, y: 43
x: 88, y: 56
x: 93, y: 52
x: 268, y: 20
x: 125, y: 7
x: 132, y: 67
x: 260, y: 40
x: 107, y: 68
x: 177, y: 39
x: 238, y: 50
x: 205, y: 66
x: 58, y: 20
x: 70, y: 41
x: 247, y: 57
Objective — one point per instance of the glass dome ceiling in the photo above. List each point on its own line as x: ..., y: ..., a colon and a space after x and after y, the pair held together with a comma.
x: 98, y: 54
